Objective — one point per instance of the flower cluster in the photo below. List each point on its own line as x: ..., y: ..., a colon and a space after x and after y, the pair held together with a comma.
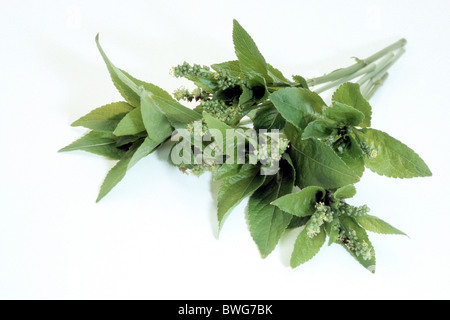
x: 197, y: 128
x: 352, y: 211
x: 323, y: 214
x: 187, y: 71
x: 225, y: 81
x: 220, y: 110
x: 267, y: 154
x: 221, y: 80
x: 368, y: 151
x: 184, y: 94
x: 360, y: 248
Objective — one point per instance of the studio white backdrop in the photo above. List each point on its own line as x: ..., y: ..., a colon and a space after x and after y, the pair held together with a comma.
x: 154, y: 236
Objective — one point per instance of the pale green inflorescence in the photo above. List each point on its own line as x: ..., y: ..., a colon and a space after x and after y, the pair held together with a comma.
x: 352, y: 211
x: 360, y: 248
x: 220, y: 110
x: 267, y: 153
x: 225, y: 81
x: 187, y: 71
x: 196, y: 94
x: 323, y: 214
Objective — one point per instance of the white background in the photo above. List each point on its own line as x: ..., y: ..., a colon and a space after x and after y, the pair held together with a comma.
x: 154, y: 237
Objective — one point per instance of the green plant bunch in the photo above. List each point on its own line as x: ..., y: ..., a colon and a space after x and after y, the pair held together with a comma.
x: 324, y: 148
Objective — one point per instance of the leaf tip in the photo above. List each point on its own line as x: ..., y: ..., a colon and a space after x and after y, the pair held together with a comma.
x: 100, y: 197
x: 75, y: 124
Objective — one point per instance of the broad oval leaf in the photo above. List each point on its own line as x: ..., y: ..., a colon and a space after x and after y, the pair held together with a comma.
x: 175, y: 112
x: 346, y: 192
x: 236, y: 188
x: 297, y: 105
x: 269, y: 118
x: 344, y: 114
x: 391, y: 157
x: 376, y: 225
x: 105, y: 118
x: 350, y: 94
x: 155, y: 122
x: 317, y: 164
x: 306, y: 248
x: 226, y: 170
x: 131, y: 124
x: 267, y: 223
x: 233, y: 68
x: 301, y: 204
x: 319, y: 129
x: 250, y: 58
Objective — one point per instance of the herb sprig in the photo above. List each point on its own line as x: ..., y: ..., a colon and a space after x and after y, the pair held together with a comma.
x: 298, y: 158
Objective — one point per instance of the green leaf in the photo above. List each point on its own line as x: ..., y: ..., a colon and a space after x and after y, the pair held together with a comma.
x: 332, y: 231
x: 344, y: 114
x: 105, y: 118
x: 250, y: 58
x: 392, y: 158
x: 246, y: 98
x: 301, y: 204
x: 350, y: 94
x: 267, y: 223
x: 317, y: 164
x: 346, y: 192
x: 297, y: 222
x: 138, y: 151
x: 376, y: 225
x: 226, y: 171
x: 319, y: 129
x: 155, y: 122
x: 236, y: 188
x: 145, y: 149
x: 131, y: 124
x: 175, y: 112
x: 229, y: 146
x: 215, y: 124
x: 99, y: 143
x: 126, y: 140
x: 269, y: 118
x: 233, y: 68
x: 276, y: 75
x: 302, y: 81
x: 297, y: 105
x: 350, y: 224
x: 306, y: 248
x: 353, y: 156
x: 128, y: 86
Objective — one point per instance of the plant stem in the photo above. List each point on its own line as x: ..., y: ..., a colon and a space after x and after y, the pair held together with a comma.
x: 349, y: 72
x: 367, y: 69
x: 376, y: 86
x: 376, y: 78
